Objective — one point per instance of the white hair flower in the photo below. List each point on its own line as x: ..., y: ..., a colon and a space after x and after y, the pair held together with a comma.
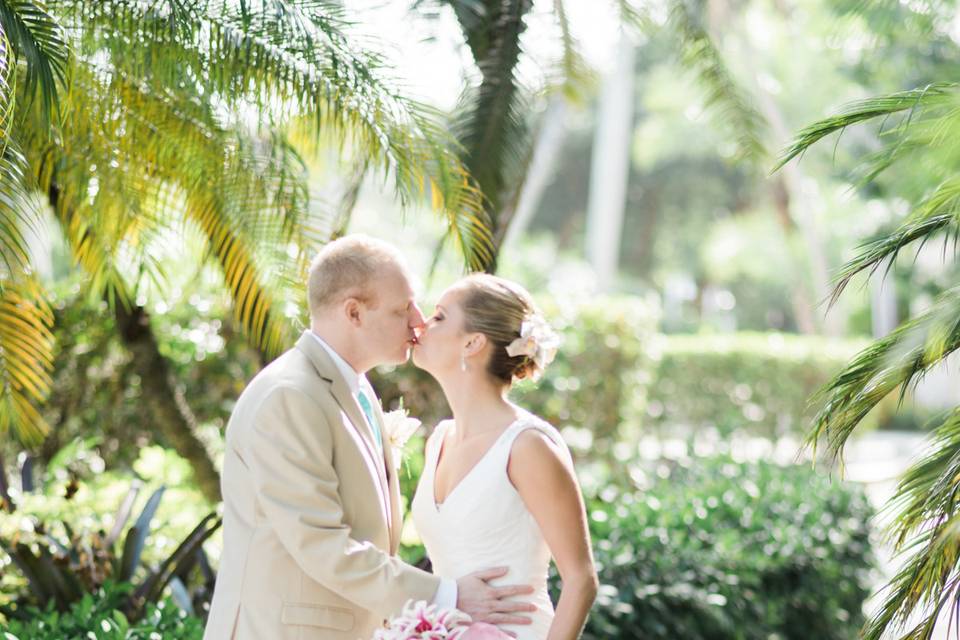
x: 537, y: 341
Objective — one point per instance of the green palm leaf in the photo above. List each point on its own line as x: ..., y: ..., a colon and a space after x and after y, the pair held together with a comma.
x: 928, y: 528
x: 293, y: 59
x: 913, y: 101
x: 37, y: 38
x: 891, y: 363
x: 698, y: 52
x: 26, y: 358
x: 919, y: 126
x: 937, y: 212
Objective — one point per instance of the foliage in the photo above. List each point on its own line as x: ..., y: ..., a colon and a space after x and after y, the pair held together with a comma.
x: 917, y: 128
x: 99, y: 615
x: 759, y: 383
x: 714, y: 549
x: 62, y: 562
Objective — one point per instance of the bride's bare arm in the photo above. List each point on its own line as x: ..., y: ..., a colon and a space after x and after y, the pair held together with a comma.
x: 545, y: 479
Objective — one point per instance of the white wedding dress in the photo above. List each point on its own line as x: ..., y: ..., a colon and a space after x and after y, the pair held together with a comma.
x: 484, y: 523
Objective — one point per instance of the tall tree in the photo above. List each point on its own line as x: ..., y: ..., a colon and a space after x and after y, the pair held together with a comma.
x: 136, y: 122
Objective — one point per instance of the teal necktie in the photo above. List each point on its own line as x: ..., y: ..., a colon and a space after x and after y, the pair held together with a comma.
x: 371, y: 420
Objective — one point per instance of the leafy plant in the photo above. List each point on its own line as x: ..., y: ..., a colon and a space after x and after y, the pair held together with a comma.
x: 709, y: 548
x: 60, y: 571
x: 919, y: 127
x: 100, y: 615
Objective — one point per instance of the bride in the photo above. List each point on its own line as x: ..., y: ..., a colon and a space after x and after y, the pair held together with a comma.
x: 498, y: 486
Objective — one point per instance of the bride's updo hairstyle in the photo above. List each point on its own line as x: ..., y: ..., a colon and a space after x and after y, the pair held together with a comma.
x: 501, y: 310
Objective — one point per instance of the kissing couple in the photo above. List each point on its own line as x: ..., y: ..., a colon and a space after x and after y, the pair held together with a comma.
x: 312, y: 511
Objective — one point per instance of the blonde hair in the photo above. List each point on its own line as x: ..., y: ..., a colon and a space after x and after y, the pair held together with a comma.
x: 348, y: 267
x: 497, y: 308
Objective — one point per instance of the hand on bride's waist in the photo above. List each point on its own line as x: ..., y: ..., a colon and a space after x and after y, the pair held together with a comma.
x: 485, y: 602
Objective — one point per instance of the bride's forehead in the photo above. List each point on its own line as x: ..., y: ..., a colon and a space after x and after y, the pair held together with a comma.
x: 450, y: 297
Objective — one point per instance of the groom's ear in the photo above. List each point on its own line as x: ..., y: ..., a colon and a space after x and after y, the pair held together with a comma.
x: 351, y: 309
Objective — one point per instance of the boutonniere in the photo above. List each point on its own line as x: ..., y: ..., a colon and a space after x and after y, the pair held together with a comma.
x: 398, y: 427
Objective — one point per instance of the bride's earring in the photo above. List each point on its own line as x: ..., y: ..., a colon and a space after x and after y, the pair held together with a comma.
x: 463, y: 362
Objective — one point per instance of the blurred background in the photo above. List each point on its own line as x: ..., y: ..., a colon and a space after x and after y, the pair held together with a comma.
x: 740, y: 215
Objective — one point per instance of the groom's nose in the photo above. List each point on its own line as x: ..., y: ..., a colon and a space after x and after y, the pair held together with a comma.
x: 416, y: 317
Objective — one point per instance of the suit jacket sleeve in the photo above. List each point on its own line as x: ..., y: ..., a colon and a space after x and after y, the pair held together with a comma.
x: 289, y: 457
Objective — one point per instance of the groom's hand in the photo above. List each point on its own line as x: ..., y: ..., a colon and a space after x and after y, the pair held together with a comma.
x: 486, y: 603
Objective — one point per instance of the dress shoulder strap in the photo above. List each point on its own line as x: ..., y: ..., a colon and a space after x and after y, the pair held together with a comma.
x: 433, y: 442
x: 529, y: 421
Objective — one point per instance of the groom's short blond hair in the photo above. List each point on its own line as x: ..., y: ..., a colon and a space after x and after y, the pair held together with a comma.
x: 348, y: 268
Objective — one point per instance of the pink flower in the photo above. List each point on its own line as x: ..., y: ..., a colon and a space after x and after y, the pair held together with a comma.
x: 420, y: 621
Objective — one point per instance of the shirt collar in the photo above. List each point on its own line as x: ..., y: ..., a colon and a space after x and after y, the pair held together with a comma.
x: 354, y: 380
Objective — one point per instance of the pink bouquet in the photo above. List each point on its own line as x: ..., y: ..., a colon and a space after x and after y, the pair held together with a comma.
x: 420, y: 621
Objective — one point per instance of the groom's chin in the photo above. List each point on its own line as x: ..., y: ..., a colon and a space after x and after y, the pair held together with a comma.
x: 404, y: 356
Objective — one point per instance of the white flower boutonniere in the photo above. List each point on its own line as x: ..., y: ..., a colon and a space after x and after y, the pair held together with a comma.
x: 398, y: 427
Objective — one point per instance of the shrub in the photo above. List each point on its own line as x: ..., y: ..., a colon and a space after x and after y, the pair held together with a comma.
x: 100, y: 616
x: 60, y: 570
x: 711, y: 548
x: 758, y: 382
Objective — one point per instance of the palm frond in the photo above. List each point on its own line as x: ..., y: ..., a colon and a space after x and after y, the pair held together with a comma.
x: 291, y: 59
x: 724, y: 95
x: 937, y: 212
x: 574, y: 76
x: 165, y: 157
x: 929, y: 488
x: 26, y: 358
x: 894, y: 362
x: 927, y: 528
x: 19, y: 211
x: 912, y: 101
x: 8, y: 87
x: 36, y: 36
x: 698, y: 53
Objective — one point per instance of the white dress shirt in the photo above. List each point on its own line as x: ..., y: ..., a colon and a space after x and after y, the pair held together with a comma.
x: 446, y: 596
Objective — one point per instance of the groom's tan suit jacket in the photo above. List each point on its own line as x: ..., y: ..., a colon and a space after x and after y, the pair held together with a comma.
x: 308, y: 553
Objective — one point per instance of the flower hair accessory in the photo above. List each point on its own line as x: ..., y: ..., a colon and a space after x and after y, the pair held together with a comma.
x: 537, y: 341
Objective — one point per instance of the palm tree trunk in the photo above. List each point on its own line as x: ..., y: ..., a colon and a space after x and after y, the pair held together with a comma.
x: 803, y: 309
x: 492, y: 31
x: 166, y: 405
x: 6, y: 502
x: 165, y: 400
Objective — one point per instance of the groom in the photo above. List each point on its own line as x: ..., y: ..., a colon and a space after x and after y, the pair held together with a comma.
x: 311, y: 499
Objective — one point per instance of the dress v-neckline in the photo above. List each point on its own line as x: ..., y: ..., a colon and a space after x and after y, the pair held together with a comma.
x: 436, y: 464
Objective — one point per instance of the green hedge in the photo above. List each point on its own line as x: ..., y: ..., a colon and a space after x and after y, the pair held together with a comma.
x: 597, y: 382
x: 758, y: 382
x: 713, y: 549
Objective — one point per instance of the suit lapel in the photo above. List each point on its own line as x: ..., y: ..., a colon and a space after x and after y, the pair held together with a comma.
x: 341, y: 392
x: 393, y: 480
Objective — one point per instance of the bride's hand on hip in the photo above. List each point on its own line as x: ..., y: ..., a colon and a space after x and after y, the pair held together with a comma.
x: 486, y: 603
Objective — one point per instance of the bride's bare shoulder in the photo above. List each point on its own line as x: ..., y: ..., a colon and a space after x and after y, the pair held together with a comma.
x: 538, y: 448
